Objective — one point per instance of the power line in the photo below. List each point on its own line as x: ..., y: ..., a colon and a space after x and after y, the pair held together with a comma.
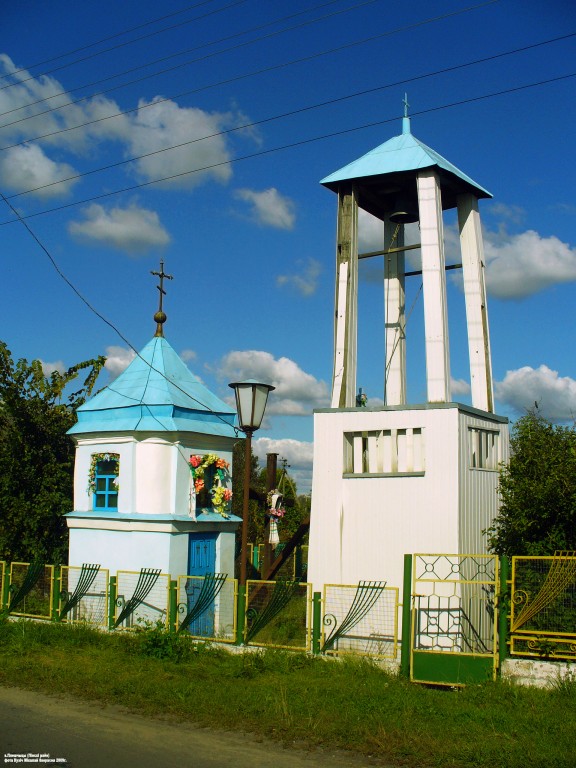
x: 112, y: 37
x: 121, y: 45
x: 181, y: 53
x: 278, y: 117
x: 291, y: 113
x: 240, y: 45
x: 105, y: 320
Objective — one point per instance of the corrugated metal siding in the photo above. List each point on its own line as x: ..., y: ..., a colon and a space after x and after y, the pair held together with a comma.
x: 478, y: 488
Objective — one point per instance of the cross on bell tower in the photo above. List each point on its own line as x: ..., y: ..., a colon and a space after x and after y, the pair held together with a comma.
x: 400, y: 182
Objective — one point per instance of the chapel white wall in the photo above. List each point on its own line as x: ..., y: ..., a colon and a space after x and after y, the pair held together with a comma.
x: 154, y: 472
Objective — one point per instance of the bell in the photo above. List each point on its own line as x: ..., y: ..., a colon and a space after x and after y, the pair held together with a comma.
x: 403, y: 211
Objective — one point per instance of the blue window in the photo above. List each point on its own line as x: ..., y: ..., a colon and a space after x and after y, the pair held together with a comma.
x: 105, y: 485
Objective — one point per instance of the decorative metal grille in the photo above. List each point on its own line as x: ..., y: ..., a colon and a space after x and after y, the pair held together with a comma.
x: 31, y: 590
x: 84, y: 594
x: 454, y: 603
x: 543, y: 608
x: 141, y: 596
x: 278, y: 614
x: 360, y: 620
x: 208, y: 606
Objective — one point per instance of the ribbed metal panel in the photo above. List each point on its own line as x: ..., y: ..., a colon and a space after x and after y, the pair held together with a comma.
x: 478, y: 497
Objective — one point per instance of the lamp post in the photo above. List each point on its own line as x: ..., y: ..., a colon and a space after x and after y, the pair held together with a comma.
x: 251, y: 398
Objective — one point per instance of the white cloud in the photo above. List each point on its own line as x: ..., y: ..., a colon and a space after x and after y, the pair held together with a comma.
x: 306, y: 282
x: 27, y: 167
x: 23, y: 118
x: 49, y: 368
x: 297, y: 392
x: 269, y: 207
x: 298, y: 454
x: 512, y: 213
x: 133, y: 229
x: 188, y: 355
x: 118, y: 359
x: 156, y: 125
x: 166, y: 124
x: 459, y: 386
x: 520, y: 265
x: 555, y: 395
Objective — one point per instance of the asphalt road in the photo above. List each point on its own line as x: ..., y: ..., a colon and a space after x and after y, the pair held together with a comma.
x: 38, y: 729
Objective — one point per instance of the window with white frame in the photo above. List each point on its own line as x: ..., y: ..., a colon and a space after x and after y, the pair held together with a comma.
x: 484, y: 448
x: 384, y: 452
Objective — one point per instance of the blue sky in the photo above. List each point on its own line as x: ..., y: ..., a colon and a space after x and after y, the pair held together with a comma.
x: 287, y: 93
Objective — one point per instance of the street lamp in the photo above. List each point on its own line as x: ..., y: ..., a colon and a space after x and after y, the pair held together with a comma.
x: 251, y: 398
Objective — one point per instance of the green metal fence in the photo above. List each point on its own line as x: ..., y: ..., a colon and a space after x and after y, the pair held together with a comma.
x: 451, y: 632
x: 543, y: 607
x: 83, y: 594
x: 360, y: 619
x: 279, y: 614
x: 31, y: 590
x: 141, y: 597
x: 207, y: 607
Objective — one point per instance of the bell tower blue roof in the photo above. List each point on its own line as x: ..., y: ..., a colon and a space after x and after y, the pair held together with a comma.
x: 156, y: 393
x: 403, y: 156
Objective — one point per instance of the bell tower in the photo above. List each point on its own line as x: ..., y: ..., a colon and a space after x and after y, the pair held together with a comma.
x: 400, y: 182
x: 404, y: 477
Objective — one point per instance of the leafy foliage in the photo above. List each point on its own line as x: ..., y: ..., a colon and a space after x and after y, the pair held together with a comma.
x: 538, y: 491
x: 36, y: 455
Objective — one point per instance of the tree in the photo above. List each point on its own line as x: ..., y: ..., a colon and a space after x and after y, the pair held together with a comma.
x: 37, y: 456
x: 538, y: 491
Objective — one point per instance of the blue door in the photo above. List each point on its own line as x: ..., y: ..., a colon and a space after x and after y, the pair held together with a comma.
x: 201, y: 560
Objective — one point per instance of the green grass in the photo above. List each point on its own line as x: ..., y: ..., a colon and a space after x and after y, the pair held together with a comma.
x: 296, y: 698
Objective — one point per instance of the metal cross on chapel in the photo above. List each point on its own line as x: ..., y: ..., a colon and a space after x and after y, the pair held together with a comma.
x: 160, y: 316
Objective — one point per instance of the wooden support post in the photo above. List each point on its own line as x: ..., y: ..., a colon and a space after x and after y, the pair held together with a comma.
x: 476, y: 310
x: 434, y: 285
x: 346, y: 320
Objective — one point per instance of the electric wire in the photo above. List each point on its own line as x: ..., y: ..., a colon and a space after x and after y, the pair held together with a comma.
x: 105, y: 320
x: 112, y: 37
x: 292, y: 145
x: 328, y: 102
x: 121, y: 45
x: 182, y: 64
x: 240, y: 45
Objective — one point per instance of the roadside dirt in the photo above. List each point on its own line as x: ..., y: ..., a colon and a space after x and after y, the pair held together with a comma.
x: 56, y: 730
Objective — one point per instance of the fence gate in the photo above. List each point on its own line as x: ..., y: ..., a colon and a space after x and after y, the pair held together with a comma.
x: 454, y: 638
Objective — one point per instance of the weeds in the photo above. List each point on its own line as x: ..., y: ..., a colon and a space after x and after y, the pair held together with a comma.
x: 352, y: 704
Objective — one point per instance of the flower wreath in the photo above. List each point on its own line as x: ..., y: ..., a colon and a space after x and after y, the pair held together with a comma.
x: 94, y: 459
x: 221, y: 496
x: 275, y: 508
